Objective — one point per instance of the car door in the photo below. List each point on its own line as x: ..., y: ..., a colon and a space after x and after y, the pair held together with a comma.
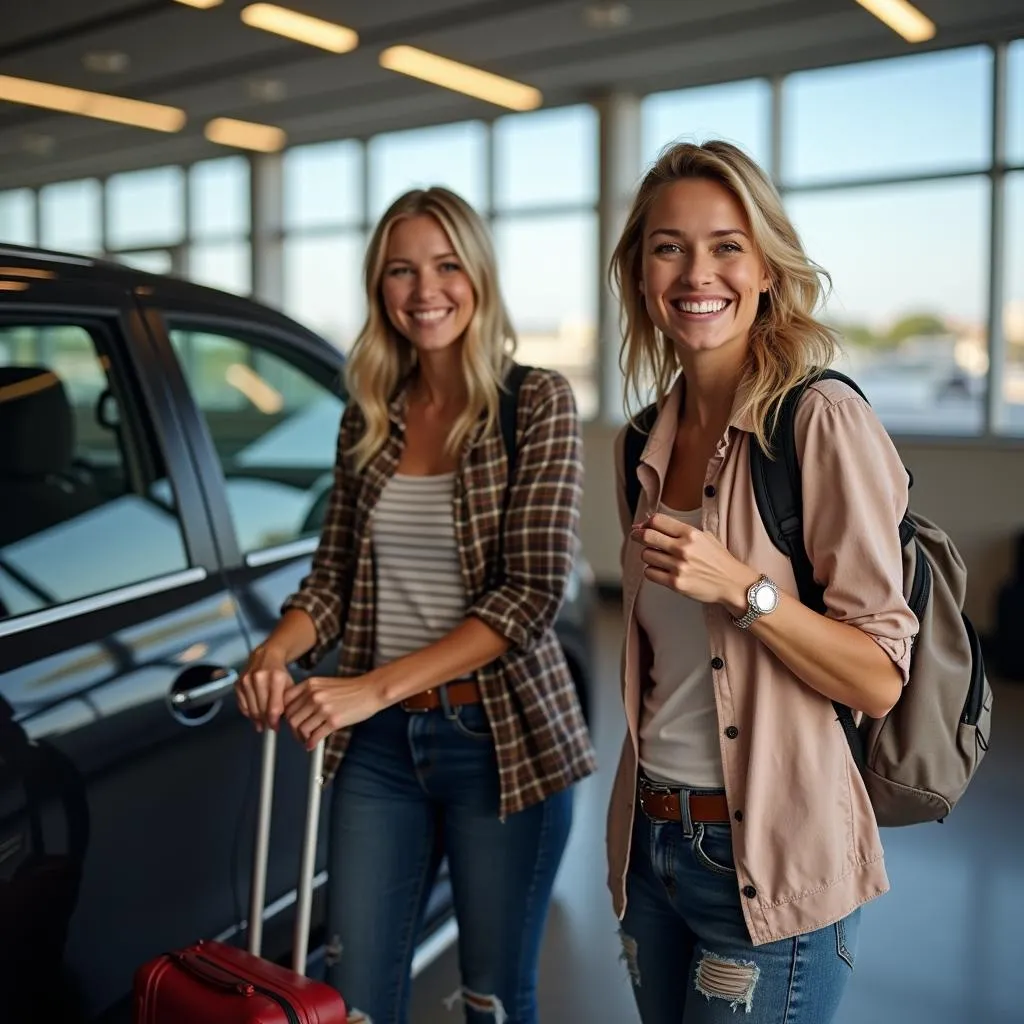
x: 266, y: 406
x: 119, y: 807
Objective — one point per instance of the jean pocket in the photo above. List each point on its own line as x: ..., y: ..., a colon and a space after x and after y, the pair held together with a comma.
x: 846, y: 941
x: 470, y: 720
x: 712, y: 847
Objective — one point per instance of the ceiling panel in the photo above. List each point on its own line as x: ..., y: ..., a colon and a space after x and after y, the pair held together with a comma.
x: 211, y: 64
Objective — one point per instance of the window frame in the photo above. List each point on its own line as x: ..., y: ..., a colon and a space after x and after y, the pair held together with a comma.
x: 121, y: 342
x: 307, y: 353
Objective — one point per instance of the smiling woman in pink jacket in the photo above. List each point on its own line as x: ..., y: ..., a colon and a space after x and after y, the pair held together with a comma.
x: 741, y: 839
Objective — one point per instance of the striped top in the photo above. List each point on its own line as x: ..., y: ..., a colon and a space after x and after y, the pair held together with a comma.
x: 420, y: 594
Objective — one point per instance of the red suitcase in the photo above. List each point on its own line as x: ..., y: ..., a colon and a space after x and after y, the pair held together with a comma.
x: 213, y: 983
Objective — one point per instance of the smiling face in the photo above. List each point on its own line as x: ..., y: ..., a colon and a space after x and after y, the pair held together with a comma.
x: 427, y: 295
x: 701, y: 277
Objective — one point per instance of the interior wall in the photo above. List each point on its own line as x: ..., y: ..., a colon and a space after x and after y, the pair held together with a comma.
x: 976, y: 493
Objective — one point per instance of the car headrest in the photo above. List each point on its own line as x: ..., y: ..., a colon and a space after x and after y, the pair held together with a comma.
x: 37, y: 435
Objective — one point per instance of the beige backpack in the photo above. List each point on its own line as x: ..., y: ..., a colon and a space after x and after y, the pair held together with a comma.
x: 918, y: 760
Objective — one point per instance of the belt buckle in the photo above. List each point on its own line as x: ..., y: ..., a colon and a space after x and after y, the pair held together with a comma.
x: 658, y: 787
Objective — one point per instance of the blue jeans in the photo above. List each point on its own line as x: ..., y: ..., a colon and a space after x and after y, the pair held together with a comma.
x: 411, y: 788
x: 686, y: 944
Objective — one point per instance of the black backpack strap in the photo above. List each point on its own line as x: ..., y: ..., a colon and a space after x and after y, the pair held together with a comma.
x: 634, y: 443
x: 778, y: 491
x: 508, y: 412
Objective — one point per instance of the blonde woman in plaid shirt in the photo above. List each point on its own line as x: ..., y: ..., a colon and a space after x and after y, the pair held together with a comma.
x: 453, y: 722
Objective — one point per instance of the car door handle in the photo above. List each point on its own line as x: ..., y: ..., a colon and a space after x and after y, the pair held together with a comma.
x: 206, y: 692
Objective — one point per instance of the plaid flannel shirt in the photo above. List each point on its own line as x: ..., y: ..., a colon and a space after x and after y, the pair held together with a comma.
x: 541, y: 740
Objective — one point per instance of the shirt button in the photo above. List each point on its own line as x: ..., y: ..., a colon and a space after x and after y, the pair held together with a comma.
x: 749, y: 891
x: 732, y: 732
x: 709, y: 491
x: 738, y: 815
x: 717, y: 663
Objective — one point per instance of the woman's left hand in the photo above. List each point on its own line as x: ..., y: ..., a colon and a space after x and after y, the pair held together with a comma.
x: 324, y: 704
x: 693, y: 563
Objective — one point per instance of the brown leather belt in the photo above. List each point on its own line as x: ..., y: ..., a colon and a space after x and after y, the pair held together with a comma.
x: 466, y: 691
x: 662, y: 804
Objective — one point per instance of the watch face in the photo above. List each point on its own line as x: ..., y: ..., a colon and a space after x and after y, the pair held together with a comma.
x: 765, y: 598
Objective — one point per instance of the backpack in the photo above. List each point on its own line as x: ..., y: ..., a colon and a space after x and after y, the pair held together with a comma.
x: 508, y: 410
x: 918, y: 760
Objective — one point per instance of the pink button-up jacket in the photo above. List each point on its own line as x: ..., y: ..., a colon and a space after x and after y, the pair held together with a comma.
x: 805, y: 841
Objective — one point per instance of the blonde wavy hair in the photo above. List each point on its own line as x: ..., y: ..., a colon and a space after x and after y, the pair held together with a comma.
x: 787, y: 341
x: 382, y: 359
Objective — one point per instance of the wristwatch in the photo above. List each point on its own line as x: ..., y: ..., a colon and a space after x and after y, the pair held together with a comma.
x: 762, y: 599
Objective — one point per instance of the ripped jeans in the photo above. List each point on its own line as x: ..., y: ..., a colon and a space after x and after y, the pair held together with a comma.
x: 411, y: 788
x: 686, y: 944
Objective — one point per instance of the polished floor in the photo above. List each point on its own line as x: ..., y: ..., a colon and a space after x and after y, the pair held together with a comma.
x: 945, y: 946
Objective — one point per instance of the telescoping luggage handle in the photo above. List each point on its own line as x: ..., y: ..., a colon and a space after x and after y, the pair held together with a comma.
x: 307, y: 866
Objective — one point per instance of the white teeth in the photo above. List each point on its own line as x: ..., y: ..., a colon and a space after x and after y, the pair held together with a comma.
x: 714, y: 306
x: 431, y: 314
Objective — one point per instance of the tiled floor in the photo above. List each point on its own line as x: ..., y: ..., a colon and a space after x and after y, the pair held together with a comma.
x: 945, y: 946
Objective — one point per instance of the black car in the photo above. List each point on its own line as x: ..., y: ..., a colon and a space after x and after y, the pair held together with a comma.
x: 165, y: 450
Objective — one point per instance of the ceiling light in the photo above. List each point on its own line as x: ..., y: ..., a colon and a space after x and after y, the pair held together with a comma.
x: 203, y: 5
x: 106, y: 62
x: 450, y: 74
x: 38, y: 144
x: 267, y: 90
x: 902, y: 17
x: 264, y: 138
x: 91, y: 104
x: 607, y: 14
x: 300, y: 27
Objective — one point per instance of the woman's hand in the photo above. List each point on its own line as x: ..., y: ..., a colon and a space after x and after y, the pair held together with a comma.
x: 323, y: 704
x: 693, y: 563
x: 260, y: 690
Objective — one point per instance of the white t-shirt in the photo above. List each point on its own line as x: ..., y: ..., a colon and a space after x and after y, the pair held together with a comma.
x: 679, y: 740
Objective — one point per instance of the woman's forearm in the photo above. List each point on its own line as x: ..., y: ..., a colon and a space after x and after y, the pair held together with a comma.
x: 292, y: 637
x: 839, y: 661
x: 471, y: 645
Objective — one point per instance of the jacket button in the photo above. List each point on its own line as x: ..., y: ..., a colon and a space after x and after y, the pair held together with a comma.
x: 709, y: 491
x: 732, y: 732
x: 738, y: 815
x: 749, y: 891
x: 717, y: 663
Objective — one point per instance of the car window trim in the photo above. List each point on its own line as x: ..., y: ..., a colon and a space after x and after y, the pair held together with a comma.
x: 282, y: 552
x: 105, y: 599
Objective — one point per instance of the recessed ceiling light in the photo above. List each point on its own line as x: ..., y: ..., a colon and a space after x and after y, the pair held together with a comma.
x: 450, y: 74
x: 106, y: 62
x: 903, y: 18
x: 264, y: 138
x: 327, y: 35
x: 267, y: 90
x: 607, y: 14
x: 91, y: 104
x: 38, y: 144
x: 201, y: 4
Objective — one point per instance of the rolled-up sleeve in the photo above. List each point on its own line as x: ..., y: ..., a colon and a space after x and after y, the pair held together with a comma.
x: 542, y: 520
x: 855, y: 493
x: 323, y: 594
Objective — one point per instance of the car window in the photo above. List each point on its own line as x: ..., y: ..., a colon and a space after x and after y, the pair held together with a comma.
x: 82, y: 509
x: 274, y: 427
